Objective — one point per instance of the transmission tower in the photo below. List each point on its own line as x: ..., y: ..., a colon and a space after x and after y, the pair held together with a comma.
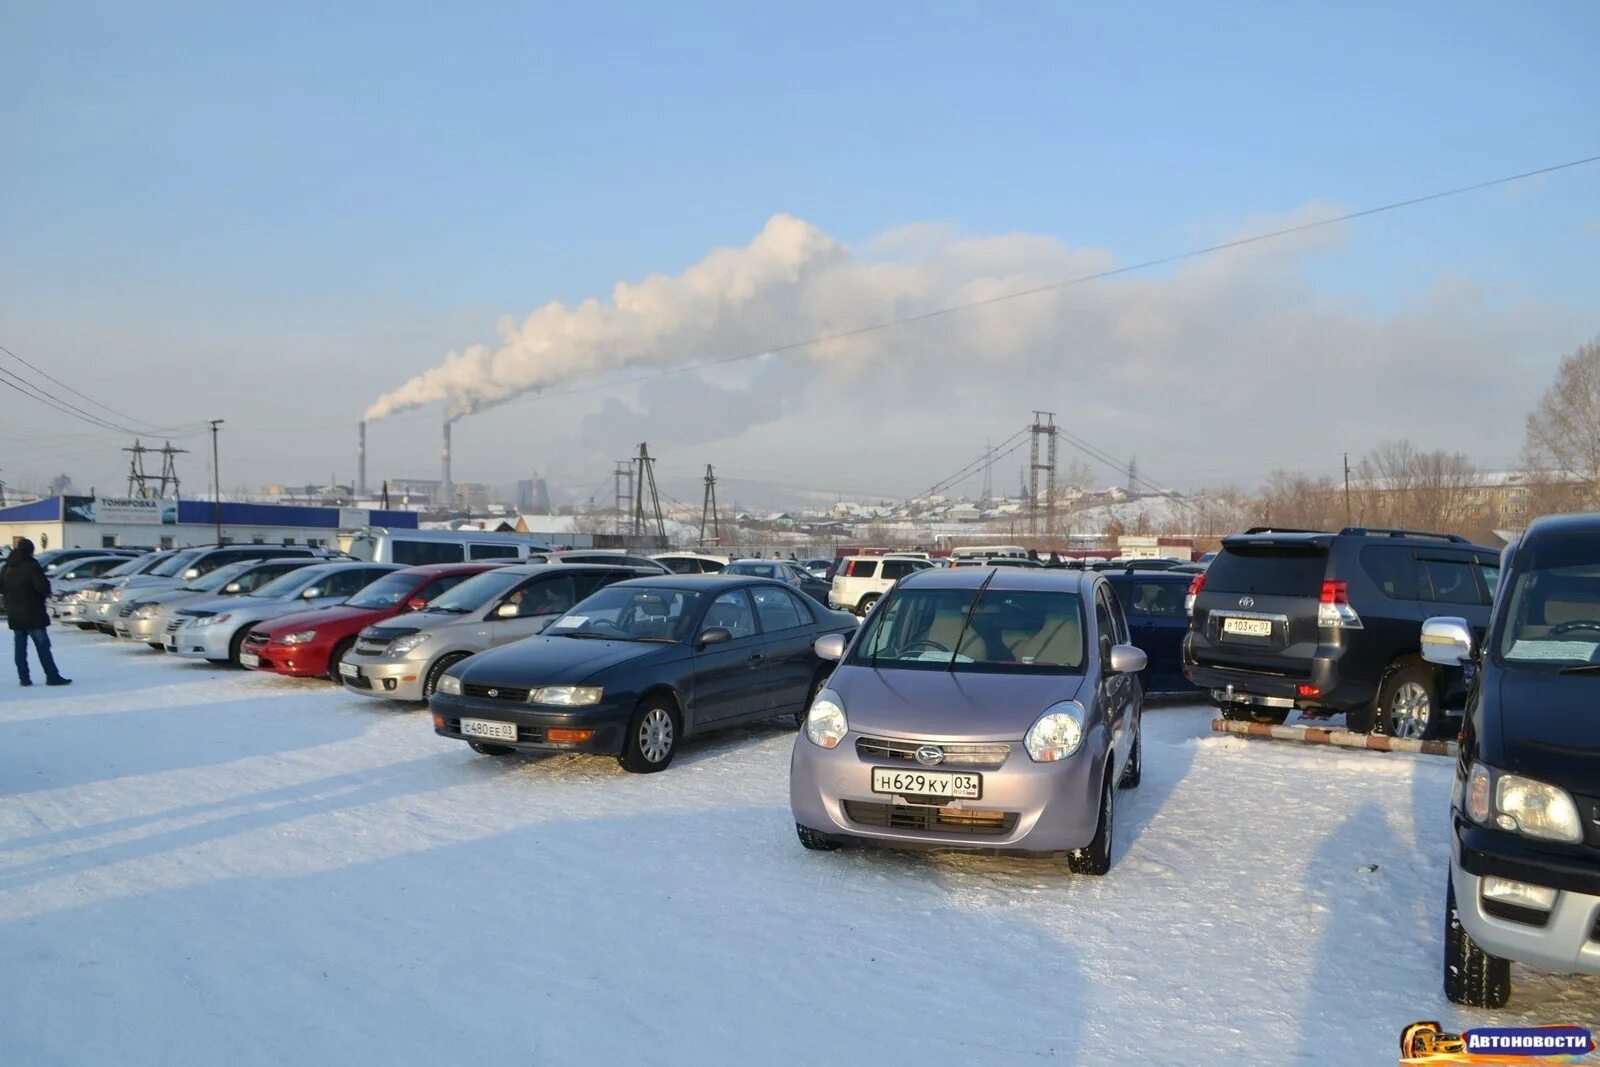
x: 988, y: 474
x: 1044, y: 426
x: 138, y: 480
x: 708, y: 508
x: 647, y: 476
x: 623, y: 476
x: 169, y: 470
x: 1133, y: 473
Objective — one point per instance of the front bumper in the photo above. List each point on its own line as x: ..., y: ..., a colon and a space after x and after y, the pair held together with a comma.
x: 202, y: 642
x: 152, y: 629
x: 294, y: 661
x: 1038, y: 807
x: 1568, y: 942
x: 387, y: 679
x: 609, y: 723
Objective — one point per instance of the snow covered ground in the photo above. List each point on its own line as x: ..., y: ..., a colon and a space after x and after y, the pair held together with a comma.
x: 204, y: 866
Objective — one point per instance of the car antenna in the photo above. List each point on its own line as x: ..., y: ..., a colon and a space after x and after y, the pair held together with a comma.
x: 966, y: 622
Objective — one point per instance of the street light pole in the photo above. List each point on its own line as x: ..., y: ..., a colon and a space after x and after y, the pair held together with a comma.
x: 216, y: 480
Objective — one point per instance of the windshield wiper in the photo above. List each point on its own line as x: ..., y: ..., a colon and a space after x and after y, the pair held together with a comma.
x: 1581, y: 668
x: 449, y: 611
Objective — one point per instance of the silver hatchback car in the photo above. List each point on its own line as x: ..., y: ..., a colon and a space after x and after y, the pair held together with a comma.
x: 977, y: 707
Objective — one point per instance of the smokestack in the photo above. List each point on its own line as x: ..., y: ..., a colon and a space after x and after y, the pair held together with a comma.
x: 446, y: 490
x: 361, y: 461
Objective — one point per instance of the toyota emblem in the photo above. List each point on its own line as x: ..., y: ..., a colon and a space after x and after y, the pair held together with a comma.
x: 930, y: 755
x: 1247, y: 602
x: 494, y: 692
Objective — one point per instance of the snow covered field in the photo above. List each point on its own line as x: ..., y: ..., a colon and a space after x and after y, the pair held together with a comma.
x: 206, y: 866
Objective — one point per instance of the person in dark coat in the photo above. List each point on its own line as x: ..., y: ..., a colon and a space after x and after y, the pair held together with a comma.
x: 25, y: 588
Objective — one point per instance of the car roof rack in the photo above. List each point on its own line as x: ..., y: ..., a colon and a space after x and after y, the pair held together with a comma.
x: 1279, y: 529
x: 1376, y: 531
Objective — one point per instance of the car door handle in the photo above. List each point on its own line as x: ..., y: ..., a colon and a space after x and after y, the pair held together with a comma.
x: 756, y: 657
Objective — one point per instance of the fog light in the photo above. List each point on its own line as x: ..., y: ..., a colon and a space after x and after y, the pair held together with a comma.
x: 388, y: 684
x: 1523, y: 895
x: 438, y: 722
x: 561, y: 733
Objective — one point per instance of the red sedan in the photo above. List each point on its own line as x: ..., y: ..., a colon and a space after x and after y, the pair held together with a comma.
x: 312, y: 643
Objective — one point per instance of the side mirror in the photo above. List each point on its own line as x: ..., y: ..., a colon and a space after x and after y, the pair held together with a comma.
x: 416, y: 603
x: 829, y: 647
x: 1446, y: 640
x: 231, y: 587
x: 312, y: 593
x: 1126, y: 659
x: 506, y: 611
x: 714, y: 636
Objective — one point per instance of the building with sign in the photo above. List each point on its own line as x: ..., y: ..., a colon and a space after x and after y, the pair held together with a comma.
x: 108, y: 522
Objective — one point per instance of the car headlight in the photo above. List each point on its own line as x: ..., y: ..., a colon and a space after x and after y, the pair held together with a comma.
x: 1056, y: 734
x: 450, y: 685
x: 211, y: 620
x: 825, y: 722
x: 299, y: 637
x: 567, y: 696
x: 149, y: 611
x: 1521, y: 805
x: 401, y: 645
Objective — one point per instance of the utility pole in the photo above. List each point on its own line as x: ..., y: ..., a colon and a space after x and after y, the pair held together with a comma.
x: 216, y: 479
x: 1133, y: 474
x: 623, y: 476
x: 138, y: 480
x: 169, y: 470
x: 647, y: 474
x: 1347, y: 489
x: 988, y: 474
x: 1044, y: 427
x: 708, y: 507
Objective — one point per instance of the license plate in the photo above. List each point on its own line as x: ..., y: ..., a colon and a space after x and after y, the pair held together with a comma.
x: 1247, y: 627
x: 927, y: 783
x: 249, y: 659
x: 349, y: 670
x: 497, y: 731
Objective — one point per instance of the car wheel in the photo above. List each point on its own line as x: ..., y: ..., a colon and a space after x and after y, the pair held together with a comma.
x: 866, y: 604
x: 430, y: 683
x: 336, y: 657
x: 652, y: 738
x: 483, y: 748
x: 814, y: 841
x: 1472, y: 977
x: 1096, y: 857
x: 235, y: 644
x: 1408, y: 704
x: 811, y: 698
x: 1133, y: 770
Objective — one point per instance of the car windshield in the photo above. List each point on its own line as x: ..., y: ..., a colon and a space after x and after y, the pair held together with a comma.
x: 994, y: 630
x: 218, y: 578
x: 476, y: 591
x: 632, y: 613
x: 386, y: 592
x: 289, y: 584
x: 133, y: 566
x: 754, y: 570
x: 1553, y: 614
x: 174, y: 565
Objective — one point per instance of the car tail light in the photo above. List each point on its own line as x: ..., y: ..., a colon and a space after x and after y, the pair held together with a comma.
x: 1307, y: 690
x: 1197, y: 584
x: 1333, y: 607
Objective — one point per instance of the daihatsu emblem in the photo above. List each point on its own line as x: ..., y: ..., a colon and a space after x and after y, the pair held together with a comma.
x: 1247, y: 602
x: 930, y: 755
x: 494, y: 692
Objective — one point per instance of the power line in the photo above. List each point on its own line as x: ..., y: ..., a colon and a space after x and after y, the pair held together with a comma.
x: 82, y: 396
x: 1159, y: 261
x: 35, y: 391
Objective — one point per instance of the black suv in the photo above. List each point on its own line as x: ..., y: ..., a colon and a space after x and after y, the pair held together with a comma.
x: 1525, y: 851
x: 1325, y: 622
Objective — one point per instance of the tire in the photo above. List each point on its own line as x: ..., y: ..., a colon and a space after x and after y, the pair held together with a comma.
x: 1255, y: 713
x: 816, y: 687
x: 484, y: 748
x: 1095, y: 858
x: 1472, y: 977
x: 336, y: 657
x: 814, y: 841
x: 1133, y: 770
x: 864, y: 606
x: 652, y: 738
x: 1408, y: 704
x: 235, y: 645
x: 430, y: 681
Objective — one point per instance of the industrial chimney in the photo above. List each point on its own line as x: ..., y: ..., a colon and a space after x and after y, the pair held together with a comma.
x: 446, y: 489
x: 361, y: 462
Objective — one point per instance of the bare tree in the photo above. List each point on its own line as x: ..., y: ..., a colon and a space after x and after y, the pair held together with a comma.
x: 1562, y: 440
x: 1398, y: 485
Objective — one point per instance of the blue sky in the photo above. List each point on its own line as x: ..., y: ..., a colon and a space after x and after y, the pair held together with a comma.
x: 369, y: 185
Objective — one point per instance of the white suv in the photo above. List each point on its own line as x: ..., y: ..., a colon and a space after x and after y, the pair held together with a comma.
x: 861, y: 580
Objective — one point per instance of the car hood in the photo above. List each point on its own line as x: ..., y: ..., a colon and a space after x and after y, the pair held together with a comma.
x: 424, y: 620
x: 351, y: 619
x: 250, y: 607
x: 1550, y: 727
x: 946, y: 705
x: 535, y: 661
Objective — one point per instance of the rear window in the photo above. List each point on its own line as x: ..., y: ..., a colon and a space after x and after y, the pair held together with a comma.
x: 423, y: 553
x: 861, y: 568
x: 1274, y: 571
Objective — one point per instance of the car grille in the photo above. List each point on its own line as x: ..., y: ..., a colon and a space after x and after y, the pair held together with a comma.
x: 174, y: 626
x: 983, y: 755
x: 255, y: 637
x: 958, y: 822
x: 127, y: 609
x: 496, y: 692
